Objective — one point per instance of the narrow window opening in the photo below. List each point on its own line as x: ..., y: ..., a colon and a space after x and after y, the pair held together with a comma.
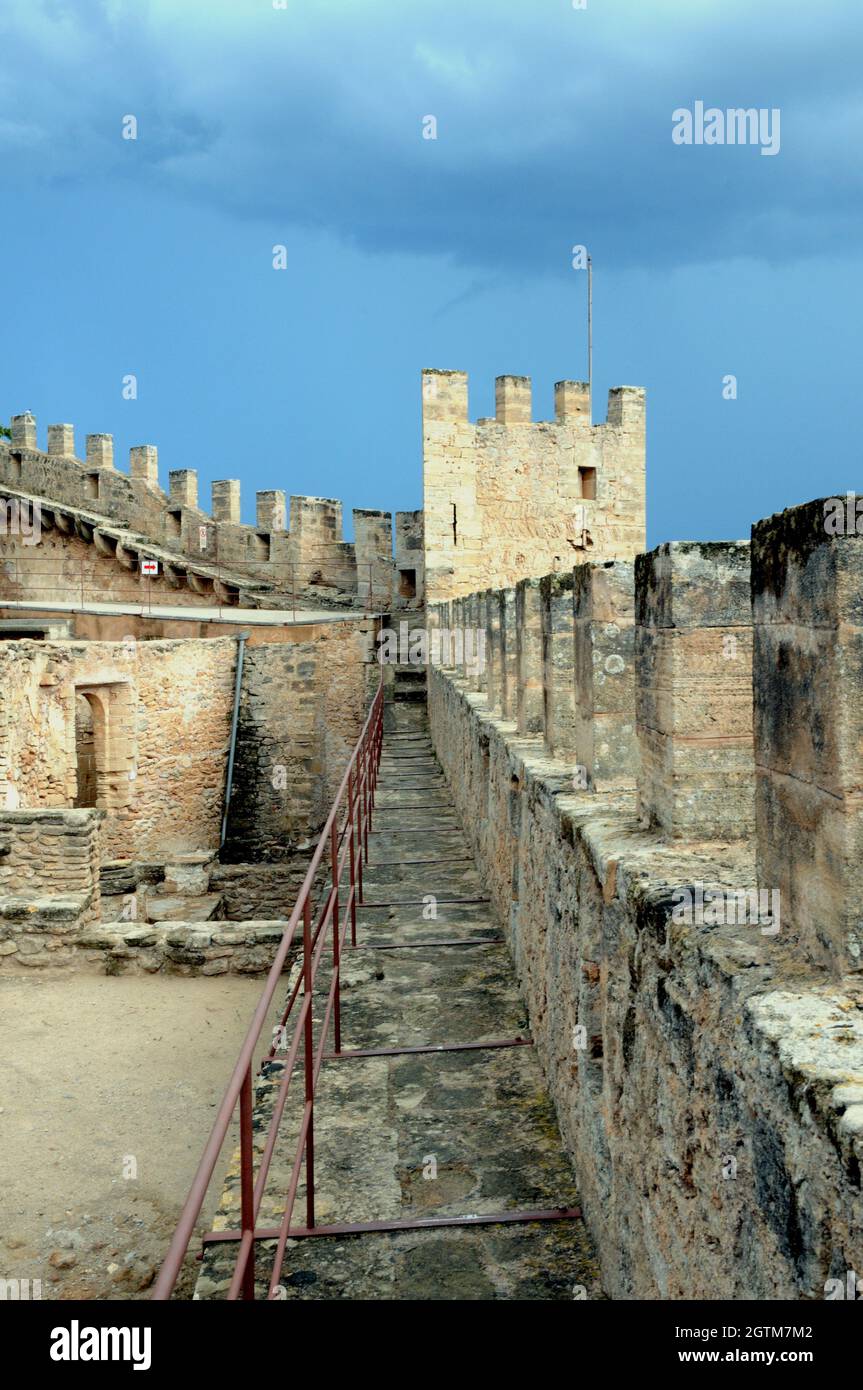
x: 454, y: 525
x: 91, y: 485
x: 407, y: 583
x: 587, y: 477
x: 261, y: 546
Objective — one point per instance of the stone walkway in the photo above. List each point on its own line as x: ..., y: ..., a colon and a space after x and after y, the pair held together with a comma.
x: 422, y: 1135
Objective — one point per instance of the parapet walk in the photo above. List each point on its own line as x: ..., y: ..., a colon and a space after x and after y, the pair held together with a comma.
x: 294, y: 542
x: 684, y: 728
x: 719, y: 681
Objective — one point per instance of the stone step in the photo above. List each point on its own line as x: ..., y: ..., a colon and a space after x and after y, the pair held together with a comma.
x: 200, y: 908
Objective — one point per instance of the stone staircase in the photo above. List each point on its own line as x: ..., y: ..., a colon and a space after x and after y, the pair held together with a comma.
x: 445, y: 1114
x: 406, y: 684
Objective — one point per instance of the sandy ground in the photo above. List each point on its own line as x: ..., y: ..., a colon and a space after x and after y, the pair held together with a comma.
x: 101, y: 1078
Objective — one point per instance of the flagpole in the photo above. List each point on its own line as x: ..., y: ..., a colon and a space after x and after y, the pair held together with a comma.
x: 589, y: 339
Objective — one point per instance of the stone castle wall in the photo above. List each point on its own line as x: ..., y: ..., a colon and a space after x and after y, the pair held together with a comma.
x: 707, y: 1069
x: 67, y: 568
x: 509, y: 498
x: 162, y: 713
x: 296, y: 544
x: 302, y: 708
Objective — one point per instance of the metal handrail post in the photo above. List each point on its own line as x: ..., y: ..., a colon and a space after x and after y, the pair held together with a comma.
x: 337, y: 1002
x: 247, y: 1183
x: 309, y: 1064
x: 353, y: 859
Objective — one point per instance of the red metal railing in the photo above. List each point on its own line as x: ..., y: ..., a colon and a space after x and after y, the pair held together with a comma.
x: 344, y: 840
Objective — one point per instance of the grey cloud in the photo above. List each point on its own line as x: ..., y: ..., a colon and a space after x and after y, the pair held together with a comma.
x: 554, y: 125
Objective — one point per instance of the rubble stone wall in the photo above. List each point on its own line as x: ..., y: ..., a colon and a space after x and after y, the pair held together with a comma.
x: 49, y: 883
x: 706, y: 1064
x: 162, y: 712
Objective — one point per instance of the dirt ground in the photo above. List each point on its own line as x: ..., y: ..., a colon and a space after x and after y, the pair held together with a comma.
x: 108, y: 1089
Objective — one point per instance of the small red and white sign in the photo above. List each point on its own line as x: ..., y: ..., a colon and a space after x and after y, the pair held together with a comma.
x: 150, y: 567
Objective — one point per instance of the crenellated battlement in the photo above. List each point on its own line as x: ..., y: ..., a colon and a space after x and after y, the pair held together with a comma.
x: 657, y: 768
x: 296, y: 544
x: 504, y: 498
x: 507, y: 497
x: 445, y: 399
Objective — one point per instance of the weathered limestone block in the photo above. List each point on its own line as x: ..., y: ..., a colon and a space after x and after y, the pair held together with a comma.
x: 626, y: 407
x: 409, y: 577
x: 202, y: 584
x: 23, y: 431
x: 100, y: 450
x: 512, y: 399
x: 528, y: 639
x: 271, y: 510
x: 225, y: 500
x: 694, y: 689
x: 807, y: 588
x: 105, y: 544
x: 558, y: 664
x: 61, y: 440
x: 508, y: 654
x: 572, y: 402
x: 183, y: 486
x: 458, y: 624
x: 475, y: 651
x: 373, y: 541
x: 604, y: 607
x: 144, y: 464
x: 188, y: 875
x: 708, y: 1089
x: 437, y: 621
x: 467, y: 611
x: 493, y: 651
x: 444, y: 395
x: 119, y: 876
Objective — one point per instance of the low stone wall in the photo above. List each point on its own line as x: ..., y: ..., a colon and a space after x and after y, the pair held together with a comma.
x: 709, y: 1089
x: 254, y: 891
x: 127, y: 916
x: 49, y: 883
x: 181, y: 948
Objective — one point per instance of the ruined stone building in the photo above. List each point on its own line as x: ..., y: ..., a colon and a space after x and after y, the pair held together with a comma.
x: 118, y: 684
x: 647, y: 788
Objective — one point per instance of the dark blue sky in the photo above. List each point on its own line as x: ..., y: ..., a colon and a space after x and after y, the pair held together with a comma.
x: 303, y: 126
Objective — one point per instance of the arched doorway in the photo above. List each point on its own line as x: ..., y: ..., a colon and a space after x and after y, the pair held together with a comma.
x: 104, y: 743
